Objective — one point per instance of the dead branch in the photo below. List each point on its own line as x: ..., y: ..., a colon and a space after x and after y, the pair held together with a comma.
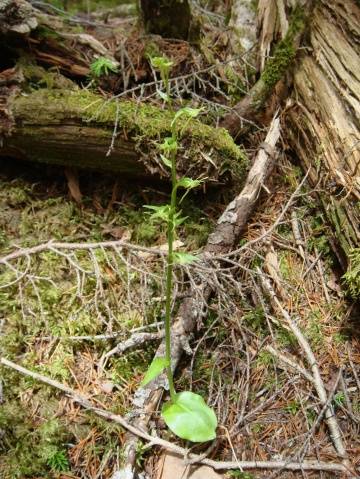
x: 236, y: 215
x: 135, y: 340
x: 156, y: 441
x: 330, y: 417
x: 26, y: 252
x: 289, y: 362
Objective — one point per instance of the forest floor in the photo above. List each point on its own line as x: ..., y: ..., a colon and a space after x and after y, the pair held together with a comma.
x: 64, y: 309
x: 53, y: 314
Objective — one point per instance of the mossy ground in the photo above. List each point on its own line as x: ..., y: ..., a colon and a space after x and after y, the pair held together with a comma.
x: 42, y: 433
x: 75, y: 6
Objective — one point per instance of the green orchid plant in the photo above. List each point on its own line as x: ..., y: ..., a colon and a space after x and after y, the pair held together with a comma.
x: 186, y: 414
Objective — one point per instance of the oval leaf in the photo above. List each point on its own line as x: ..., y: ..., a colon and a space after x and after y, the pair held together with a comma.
x: 189, y: 417
x: 156, y: 368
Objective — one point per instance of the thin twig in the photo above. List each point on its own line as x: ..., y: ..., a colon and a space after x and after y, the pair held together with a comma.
x: 331, y: 421
x: 157, y: 441
x: 136, y: 339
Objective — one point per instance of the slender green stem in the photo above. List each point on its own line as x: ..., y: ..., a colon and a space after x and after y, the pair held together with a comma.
x: 169, y: 263
x: 167, y: 87
x: 169, y: 271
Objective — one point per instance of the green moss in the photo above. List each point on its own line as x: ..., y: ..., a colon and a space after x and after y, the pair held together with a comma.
x: 352, y: 277
x: 30, y: 408
x: 255, y: 319
x: 32, y: 447
x: 284, y: 54
x: 143, y: 123
x: 276, y: 66
x: 38, y: 77
x: 236, y: 87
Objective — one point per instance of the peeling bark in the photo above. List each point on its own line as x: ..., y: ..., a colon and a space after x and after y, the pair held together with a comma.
x: 323, y: 121
x: 251, y: 107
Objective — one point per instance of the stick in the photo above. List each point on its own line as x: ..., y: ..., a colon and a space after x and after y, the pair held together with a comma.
x: 136, y: 339
x: 335, y: 432
x: 157, y: 441
x: 76, y: 246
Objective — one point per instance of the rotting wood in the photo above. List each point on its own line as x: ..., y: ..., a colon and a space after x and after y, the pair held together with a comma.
x: 251, y: 106
x: 323, y: 118
x: 17, y: 17
x: 226, y: 234
x: 76, y: 128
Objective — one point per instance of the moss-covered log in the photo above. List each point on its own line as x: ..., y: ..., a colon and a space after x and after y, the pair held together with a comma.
x: 81, y: 129
x: 323, y: 125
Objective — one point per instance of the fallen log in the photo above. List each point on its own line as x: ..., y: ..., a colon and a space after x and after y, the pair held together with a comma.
x: 323, y: 120
x: 77, y: 128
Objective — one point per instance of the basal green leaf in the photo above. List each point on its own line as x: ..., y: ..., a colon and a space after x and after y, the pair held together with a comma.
x: 155, y: 369
x: 189, y: 417
x: 184, y: 258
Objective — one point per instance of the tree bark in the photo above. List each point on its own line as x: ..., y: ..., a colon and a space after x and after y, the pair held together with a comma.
x: 252, y: 106
x: 168, y: 18
x: 323, y: 123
